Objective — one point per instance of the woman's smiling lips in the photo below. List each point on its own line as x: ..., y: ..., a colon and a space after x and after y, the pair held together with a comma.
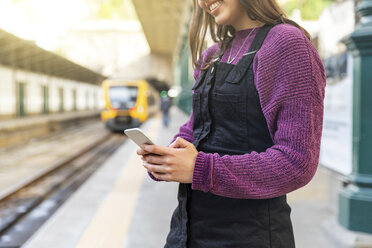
x: 214, y: 6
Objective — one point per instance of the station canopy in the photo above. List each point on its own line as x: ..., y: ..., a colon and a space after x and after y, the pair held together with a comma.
x: 161, y: 21
x: 22, y: 54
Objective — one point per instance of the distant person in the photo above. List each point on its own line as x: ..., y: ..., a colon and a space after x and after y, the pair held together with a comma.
x: 254, y: 135
x: 165, y: 105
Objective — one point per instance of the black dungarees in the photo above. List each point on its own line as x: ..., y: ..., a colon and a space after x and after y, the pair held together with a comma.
x: 228, y: 119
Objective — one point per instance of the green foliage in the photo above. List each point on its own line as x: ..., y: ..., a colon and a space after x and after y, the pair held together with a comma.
x: 116, y: 9
x: 310, y: 9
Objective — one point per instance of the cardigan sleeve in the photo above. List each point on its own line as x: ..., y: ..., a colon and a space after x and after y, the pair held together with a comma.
x: 290, y: 80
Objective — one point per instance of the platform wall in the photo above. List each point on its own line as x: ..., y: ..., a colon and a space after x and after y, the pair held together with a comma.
x: 7, y: 102
x: 88, y: 96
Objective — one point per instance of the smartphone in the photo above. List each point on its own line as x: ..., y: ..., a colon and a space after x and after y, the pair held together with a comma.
x: 138, y: 136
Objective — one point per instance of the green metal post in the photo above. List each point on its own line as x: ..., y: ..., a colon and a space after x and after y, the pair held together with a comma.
x: 355, y: 200
x: 184, y: 100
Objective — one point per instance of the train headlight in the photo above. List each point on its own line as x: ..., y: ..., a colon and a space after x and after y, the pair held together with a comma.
x: 140, y: 109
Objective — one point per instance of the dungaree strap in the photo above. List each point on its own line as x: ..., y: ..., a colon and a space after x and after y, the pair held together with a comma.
x: 208, y: 72
x: 200, y: 79
x: 242, y: 66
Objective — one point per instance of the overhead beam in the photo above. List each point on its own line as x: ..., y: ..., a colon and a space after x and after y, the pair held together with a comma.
x: 160, y: 22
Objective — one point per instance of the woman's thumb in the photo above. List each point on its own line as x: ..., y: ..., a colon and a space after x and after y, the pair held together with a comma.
x: 179, y: 143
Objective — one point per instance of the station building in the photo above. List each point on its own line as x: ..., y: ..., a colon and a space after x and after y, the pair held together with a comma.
x: 167, y: 36
x: 36, y: 82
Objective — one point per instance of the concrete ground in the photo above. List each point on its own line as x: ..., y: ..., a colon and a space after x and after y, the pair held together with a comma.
x: 121, y: 207
x: 310, y: 211
x: 17, y: 131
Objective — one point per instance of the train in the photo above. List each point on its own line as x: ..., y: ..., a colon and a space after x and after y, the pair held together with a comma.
x: 128, y: 103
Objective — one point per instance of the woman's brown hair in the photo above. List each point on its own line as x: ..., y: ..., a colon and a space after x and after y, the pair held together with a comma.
x: 265, y: 11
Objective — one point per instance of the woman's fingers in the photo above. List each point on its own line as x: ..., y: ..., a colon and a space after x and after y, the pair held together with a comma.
x: 142, y: 152
x: 155, y: 168
x: 154, y: 159
x: 162, y: 177
x: 160, y: 150
x: 172, y: 164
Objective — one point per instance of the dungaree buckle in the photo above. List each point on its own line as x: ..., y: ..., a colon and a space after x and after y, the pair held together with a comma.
x: 214, y: 62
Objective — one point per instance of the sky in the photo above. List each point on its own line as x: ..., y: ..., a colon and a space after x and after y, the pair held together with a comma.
x: 47, y: 21
x: 62, y: 27
x: 44, y: 21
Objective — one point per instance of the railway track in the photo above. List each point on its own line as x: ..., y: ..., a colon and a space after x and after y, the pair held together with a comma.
x: 27, y: 206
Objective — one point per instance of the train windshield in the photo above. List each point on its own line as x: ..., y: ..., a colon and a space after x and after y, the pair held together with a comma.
x: 123, y: 97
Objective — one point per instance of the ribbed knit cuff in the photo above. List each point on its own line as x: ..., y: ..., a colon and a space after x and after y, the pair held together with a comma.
x: 202, y: 173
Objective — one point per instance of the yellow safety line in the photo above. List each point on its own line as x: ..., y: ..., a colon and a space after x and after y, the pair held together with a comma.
x: 110, y: 225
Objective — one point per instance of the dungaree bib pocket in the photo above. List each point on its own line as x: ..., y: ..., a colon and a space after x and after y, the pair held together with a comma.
x: 230, y: 109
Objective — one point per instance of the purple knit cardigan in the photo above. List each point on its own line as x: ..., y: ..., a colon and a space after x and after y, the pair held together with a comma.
x: 290, y: 79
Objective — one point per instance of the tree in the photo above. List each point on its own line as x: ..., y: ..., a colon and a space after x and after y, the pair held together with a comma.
x: 310, y: 9
x: 116, y: 9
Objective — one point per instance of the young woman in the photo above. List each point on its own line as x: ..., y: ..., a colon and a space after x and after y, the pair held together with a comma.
x: 254, y: 134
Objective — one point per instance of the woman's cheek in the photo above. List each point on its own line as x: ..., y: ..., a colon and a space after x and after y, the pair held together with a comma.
x: 202, y: 5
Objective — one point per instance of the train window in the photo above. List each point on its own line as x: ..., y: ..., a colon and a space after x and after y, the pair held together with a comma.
x: 123, y: 97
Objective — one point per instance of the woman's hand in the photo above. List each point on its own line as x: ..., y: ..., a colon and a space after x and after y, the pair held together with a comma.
x: 173, y: 164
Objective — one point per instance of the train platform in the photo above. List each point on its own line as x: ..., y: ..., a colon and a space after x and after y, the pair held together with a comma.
x: 121, y: 207
x: 14, y: 131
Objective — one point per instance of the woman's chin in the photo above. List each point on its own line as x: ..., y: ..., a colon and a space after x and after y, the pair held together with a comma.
x: 220, y: 20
